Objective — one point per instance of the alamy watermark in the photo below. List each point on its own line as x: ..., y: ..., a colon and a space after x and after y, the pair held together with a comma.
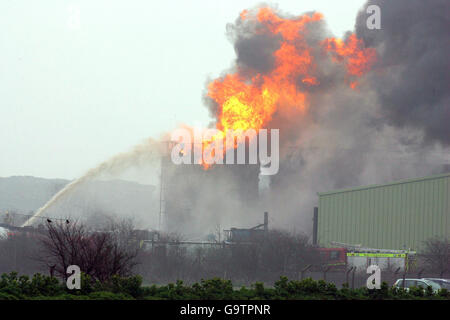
x: 374, y: 20
x: 374, y: 280
x: 74, y: 280
x: 74, y: 21
x: 212, y: 146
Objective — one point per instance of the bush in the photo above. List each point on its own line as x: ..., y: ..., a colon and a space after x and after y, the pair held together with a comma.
x: 105, y: 295
x: 123, y: 288
x: 129, y: 285
x: 24, y: 287
x: 213, y: 289
x: 7, y: 296
x: 444, y: 293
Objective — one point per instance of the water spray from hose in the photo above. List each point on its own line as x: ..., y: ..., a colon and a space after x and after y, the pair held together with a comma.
x: 141, y: 154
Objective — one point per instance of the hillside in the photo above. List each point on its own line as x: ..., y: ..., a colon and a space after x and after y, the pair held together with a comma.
x: 23, y: 194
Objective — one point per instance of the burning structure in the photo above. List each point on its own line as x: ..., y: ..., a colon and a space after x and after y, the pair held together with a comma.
x: 340, y: 104
x: 368, y: 108
x: 196, y: 199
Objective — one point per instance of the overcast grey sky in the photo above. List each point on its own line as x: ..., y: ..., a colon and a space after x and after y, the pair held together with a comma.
x: 74, y: 92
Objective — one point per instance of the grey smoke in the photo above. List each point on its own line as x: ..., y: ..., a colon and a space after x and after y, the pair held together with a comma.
x: 376, y: 134
x: 412, y: 78
x: 255, y: 51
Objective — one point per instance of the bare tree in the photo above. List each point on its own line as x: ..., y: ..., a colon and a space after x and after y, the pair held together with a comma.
x: 100, y: 254
x: 16, y: 253
x: 286, y: 253
x: 436, y: 254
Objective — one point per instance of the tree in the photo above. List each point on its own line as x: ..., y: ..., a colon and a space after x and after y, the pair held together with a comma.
x: 285, y: 252
x: 16, y: 253
x: 100, y: 254
x: 436, y: 254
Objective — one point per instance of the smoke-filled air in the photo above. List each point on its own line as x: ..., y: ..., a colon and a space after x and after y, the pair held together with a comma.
x: 371, y: 107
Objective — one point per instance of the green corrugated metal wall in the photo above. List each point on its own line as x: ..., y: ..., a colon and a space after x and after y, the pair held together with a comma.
x: 392, y: 216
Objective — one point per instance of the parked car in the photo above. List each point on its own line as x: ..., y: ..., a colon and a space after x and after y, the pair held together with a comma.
x: 3, y: 233
x: 444, y: 283
x: 418, y: 283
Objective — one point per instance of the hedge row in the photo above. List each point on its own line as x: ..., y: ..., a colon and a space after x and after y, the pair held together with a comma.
x: 44, y: 287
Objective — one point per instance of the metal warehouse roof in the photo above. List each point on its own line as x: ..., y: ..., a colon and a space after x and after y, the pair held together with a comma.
x: 384, y: 185
x: 397, y: 215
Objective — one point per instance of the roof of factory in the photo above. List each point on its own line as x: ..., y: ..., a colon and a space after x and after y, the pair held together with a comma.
x: 443, y: 175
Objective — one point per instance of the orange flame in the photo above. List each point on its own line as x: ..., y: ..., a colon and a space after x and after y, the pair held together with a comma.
x: 352, y: 53
x: 250, y: 103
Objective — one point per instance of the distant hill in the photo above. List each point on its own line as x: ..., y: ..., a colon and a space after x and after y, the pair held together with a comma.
x: 24, y: 194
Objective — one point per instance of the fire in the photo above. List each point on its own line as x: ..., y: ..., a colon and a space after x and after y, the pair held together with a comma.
x: 251, y: 102
x: 352, y: 53
x: 243, y: 106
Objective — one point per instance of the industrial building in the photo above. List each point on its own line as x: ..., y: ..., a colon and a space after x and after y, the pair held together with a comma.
x: 192, y: 198
x: 399, y: 215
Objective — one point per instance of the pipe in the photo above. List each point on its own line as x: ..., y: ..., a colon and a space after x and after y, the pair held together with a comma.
x: 315, y: 224
x: 266, y: 221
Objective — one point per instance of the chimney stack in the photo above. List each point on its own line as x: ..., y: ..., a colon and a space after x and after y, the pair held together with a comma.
x: 266, y: 221
x: 315, y: 224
